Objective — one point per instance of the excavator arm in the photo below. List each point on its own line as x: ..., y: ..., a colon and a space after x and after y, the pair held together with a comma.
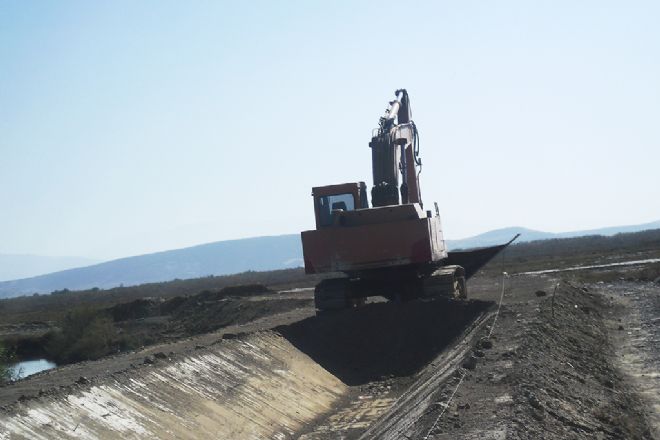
x: 395, y: 156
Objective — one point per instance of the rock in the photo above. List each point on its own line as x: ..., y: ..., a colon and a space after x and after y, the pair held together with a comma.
x: 510, y: 353
x: 536, y: 403
x: 479, y: 353
x: 149, y: 360
x: 470, y: 363
x: 620, y: 327
x: 160, y: 355
x: 199, y: 347
x: 464, y: 405
x: 540, y: 293
x: 82, y: 380
x: 538, y: 415
x: 229, y: 336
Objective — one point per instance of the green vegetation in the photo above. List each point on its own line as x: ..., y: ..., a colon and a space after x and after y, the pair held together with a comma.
x: 6, y: 358
x: 86, y: 333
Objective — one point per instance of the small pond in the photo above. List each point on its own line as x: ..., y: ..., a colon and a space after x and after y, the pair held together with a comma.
x: 27, y: 368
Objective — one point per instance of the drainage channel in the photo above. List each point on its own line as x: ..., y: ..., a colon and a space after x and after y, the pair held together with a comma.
x: 328, y: 377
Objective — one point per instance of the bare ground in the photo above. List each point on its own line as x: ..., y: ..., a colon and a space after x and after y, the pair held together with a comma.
x: 414, y: 370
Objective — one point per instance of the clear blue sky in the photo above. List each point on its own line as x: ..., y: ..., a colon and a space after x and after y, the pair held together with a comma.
x: 130, y: 127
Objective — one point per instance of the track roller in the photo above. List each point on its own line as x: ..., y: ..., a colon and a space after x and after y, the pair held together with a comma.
x: 447, y: 281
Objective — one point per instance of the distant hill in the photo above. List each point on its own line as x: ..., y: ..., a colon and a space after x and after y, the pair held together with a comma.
x: 234, y: 256
x: 15, y: 266
x: 219, y: 258
x: 498, y: 236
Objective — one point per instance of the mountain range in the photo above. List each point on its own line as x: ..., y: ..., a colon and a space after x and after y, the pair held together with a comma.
x: 498, y: 236
x: 15, y: 266
x: 234, y: 256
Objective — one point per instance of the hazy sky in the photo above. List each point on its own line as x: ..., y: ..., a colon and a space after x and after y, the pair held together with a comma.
x: 130, y: 127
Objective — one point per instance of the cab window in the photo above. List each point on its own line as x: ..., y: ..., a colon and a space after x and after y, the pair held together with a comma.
x: 327, y: 204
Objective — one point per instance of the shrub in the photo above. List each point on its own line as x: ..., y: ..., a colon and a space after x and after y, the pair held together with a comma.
x: 85, y: 334
x: 6, y: 358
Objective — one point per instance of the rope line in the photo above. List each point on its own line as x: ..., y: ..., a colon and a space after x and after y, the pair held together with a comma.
x: 499, y: 306
x: 445, y: 408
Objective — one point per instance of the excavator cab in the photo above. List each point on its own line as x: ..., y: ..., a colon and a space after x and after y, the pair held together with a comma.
x: 330, y: 202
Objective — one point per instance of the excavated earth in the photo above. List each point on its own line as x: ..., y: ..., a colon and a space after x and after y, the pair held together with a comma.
x: 581, y: 363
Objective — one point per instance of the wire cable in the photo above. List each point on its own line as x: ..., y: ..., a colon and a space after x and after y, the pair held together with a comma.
x: 492, y: 327
x: 499, y: 305
x: 445, y: 408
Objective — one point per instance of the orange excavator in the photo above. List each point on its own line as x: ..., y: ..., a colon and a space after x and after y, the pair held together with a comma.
x: 395, y: 248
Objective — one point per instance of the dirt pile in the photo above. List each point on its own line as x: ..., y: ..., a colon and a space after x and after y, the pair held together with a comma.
x: 543, y: 377
x: 153, y: 320
x: 209, y: 316
x: 565, y: 380
x: 180, y: 305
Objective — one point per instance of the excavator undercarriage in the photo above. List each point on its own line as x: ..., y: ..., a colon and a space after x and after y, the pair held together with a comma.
x: 341, y: 293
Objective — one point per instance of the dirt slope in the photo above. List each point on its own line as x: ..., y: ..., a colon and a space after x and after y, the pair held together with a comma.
x: 544, y: 377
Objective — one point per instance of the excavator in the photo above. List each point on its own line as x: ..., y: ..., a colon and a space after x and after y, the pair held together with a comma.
x: 395, y: 247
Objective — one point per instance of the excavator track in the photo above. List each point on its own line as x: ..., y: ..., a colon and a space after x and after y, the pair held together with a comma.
x: 342, y: 293
x: 447, y: 281
x: 332, y: 294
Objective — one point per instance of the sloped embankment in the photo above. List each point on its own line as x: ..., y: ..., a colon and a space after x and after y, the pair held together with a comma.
x: 257, y: 386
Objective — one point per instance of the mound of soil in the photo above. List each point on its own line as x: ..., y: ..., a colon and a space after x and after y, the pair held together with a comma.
x: 566, y: 381
x: 203, y: 317
x: 181, y: 305
x: 549, y: 372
